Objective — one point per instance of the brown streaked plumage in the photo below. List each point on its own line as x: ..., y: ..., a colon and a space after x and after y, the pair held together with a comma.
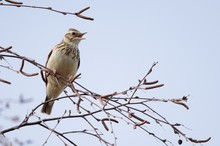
x: 64, y: 59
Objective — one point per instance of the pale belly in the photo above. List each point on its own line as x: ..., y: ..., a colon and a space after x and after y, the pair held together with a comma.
x: 65, y: 65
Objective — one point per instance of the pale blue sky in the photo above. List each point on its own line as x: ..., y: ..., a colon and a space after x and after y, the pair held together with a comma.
x: 121, y: 45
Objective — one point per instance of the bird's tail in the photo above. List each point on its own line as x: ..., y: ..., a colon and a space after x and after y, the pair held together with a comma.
x: 47, y: 107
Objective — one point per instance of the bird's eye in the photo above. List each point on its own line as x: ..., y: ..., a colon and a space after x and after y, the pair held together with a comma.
x: 73, y: 33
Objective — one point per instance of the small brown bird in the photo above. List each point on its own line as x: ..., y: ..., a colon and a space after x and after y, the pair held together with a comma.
x: 64, y: 60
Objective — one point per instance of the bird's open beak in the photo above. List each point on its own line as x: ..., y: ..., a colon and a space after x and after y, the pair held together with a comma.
x: 80, y: 36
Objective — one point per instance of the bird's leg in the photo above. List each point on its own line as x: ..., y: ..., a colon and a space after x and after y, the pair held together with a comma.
x: 56, y: 76
x: 71, y: 78
x: 54, y: 72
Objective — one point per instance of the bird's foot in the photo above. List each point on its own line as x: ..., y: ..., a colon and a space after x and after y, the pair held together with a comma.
x: 71, y: 78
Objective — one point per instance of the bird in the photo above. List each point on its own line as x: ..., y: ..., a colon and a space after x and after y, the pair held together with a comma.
x: 64, y: 60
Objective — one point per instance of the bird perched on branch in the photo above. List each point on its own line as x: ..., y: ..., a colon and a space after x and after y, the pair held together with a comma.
x: 63, y: 60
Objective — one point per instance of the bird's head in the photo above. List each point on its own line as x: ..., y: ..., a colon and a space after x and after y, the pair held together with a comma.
x: 73, y: 37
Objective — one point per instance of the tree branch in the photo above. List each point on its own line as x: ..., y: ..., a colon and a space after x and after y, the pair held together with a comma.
x: 20, y: 4
x: 114, y: 107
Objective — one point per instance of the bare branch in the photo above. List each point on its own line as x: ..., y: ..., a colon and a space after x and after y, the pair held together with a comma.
x: 24, y: 73
x: 4, y: 81
x: 113, y: 107
x: 143, y: 79
x: 60, y: 134
x: 14, y: 2
x: 5, y: 49
x: 20, y: 4
x: 82, y: 16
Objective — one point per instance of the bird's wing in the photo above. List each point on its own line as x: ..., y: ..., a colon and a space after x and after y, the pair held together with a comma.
x: 78, y: 64
x: 79, y: 59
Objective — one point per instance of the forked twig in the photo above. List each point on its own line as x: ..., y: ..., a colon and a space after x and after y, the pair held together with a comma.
x: 142, y: 80
x: 24, y: 73
x: 20, y: 4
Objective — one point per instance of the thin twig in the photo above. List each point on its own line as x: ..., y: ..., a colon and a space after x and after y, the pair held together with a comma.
x: 78, y: 14
x: 4, y: 81
x: 24, y: 73
x: 14, y: 2
x: 60, y: 134
x: 150, y: 70
x: 5, y: 49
